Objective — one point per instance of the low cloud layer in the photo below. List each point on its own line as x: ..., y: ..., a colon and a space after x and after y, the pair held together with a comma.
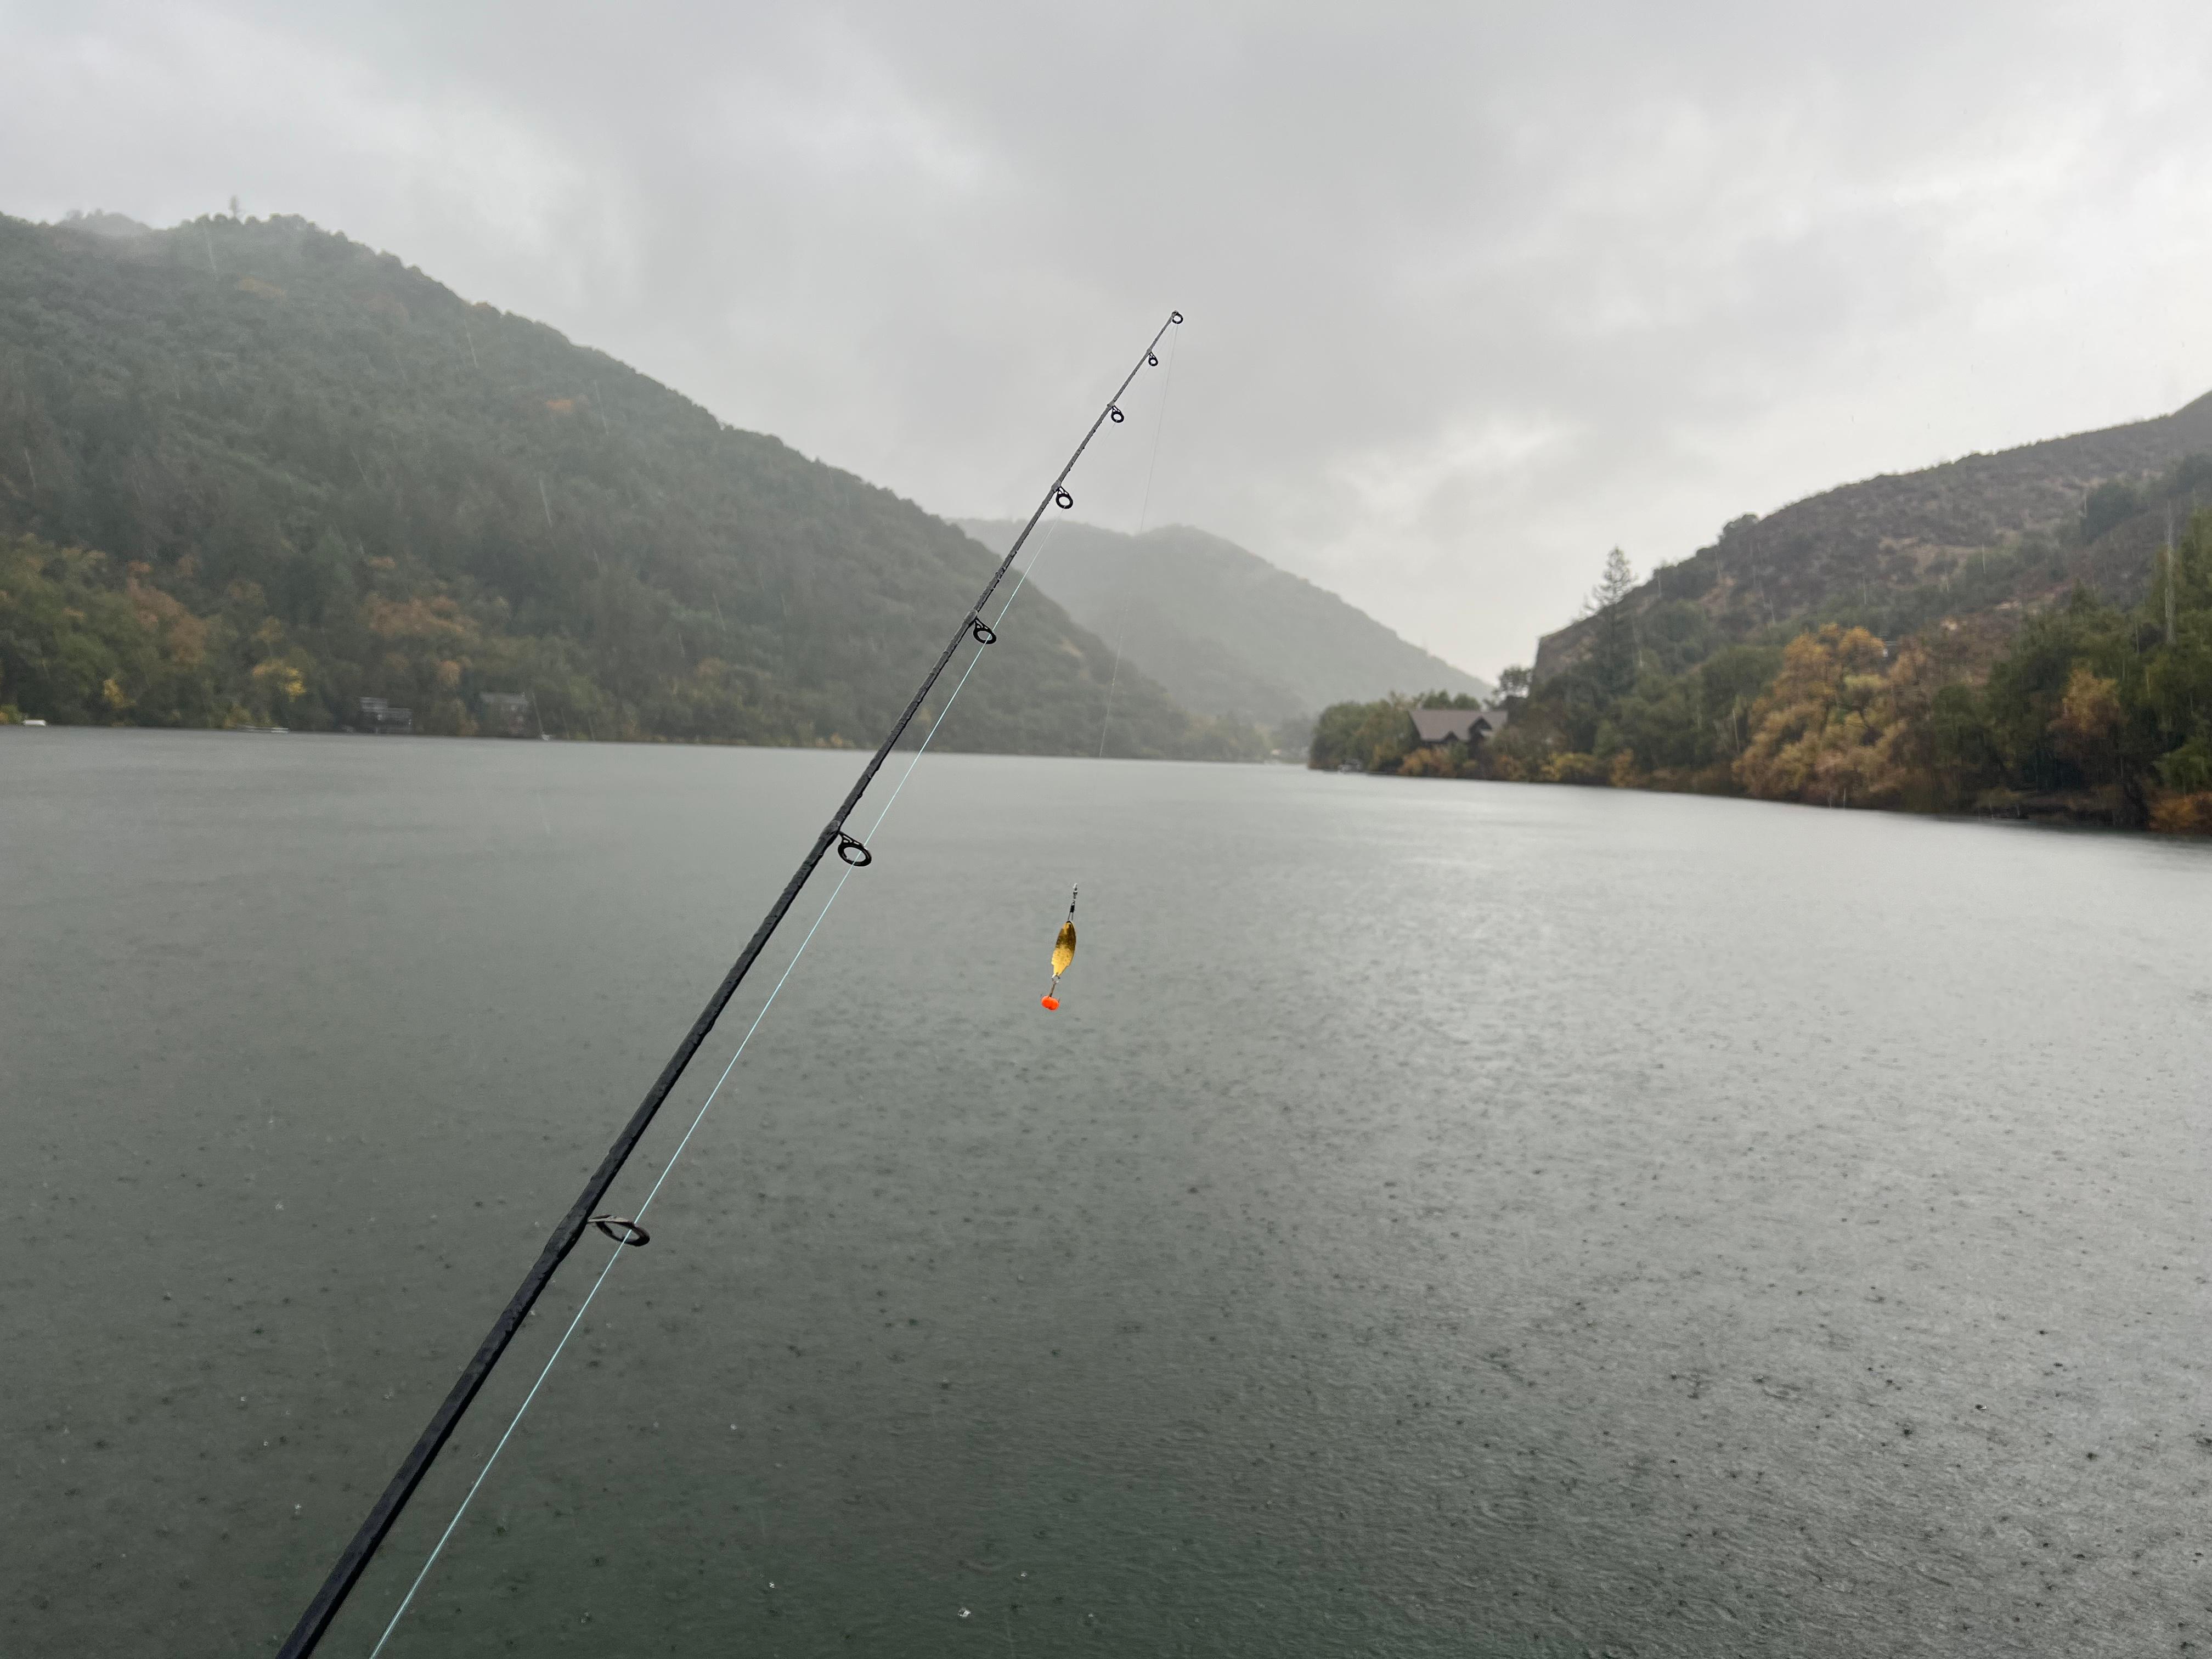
x: 1472, y: 296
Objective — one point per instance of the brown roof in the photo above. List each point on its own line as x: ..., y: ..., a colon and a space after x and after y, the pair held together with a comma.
x: 1461, y: 725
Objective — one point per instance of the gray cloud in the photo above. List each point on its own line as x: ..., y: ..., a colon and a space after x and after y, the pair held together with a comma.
x: 1473, y: 294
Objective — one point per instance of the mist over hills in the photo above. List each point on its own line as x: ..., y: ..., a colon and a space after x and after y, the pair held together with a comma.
x: 251, y: 471
x: 1227, y: 633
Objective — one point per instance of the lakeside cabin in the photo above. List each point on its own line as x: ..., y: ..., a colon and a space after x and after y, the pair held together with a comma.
x: 381, y: 717
x: 508, y: 714
x: 1466, y: 725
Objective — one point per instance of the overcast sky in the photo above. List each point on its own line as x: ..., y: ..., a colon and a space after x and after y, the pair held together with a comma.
x: 1473, y: 293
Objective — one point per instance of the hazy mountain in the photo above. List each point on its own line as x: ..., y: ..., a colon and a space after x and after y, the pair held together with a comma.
x: 1978, y: 533
x: 1227, y: 633
x: 308, y: 473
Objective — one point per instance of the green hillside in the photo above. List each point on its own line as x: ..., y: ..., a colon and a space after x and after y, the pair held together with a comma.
x: 252, y: 472
x: 2006, y: 530
x: 1227, y: 633
x: 1863, y: 649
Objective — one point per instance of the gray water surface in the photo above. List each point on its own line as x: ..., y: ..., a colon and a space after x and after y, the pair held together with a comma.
x: 1442, y: 1219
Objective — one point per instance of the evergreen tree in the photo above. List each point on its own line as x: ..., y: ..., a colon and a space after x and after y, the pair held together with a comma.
x: 1613, y: 651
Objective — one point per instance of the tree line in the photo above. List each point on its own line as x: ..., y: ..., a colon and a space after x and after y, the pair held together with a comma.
x: 252, y: 472
x: 2083, y: 708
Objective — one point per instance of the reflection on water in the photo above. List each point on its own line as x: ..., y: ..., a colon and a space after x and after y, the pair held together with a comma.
x: 1442, y: 1218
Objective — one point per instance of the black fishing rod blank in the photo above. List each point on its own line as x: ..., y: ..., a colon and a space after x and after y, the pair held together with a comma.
x: 355, y: 1561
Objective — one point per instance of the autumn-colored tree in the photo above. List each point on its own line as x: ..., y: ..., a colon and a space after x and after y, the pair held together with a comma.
x: 76, y: 648
x: 1372, y: 737
x: 1805, y: 733
x: 435, y: 501
x: 1441, y: 760
x: 1574, y: 767
x: 2071, y: 707
x: 1909, y: 720
x: 2086, y: 728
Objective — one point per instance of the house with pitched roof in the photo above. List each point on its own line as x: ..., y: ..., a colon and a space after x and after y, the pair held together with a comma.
x: 1468, y: 725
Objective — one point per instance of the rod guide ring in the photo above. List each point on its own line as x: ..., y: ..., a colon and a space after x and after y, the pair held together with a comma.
x: 984, y: 632
x: 852, y: 852
x: 1063, y: 498
x: 315, y: 1622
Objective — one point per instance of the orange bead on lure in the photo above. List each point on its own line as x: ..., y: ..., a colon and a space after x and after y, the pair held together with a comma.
x: 1063, y: 952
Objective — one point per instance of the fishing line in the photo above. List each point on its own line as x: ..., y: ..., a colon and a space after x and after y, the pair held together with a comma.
x: 1144, y: 511
x: 438, y: 1549
x: 850, y: 851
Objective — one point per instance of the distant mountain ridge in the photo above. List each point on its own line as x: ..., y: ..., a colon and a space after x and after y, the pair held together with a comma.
x: 1224, y: 631
x: 308, y: 473
x: 1900, y: 531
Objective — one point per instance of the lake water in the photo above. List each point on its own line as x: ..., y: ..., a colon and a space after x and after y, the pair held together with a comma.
x: 1442, y: 1219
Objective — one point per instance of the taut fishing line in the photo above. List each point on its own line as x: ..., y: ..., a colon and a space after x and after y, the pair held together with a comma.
x: 634, y: 1232
x: 852, y: 851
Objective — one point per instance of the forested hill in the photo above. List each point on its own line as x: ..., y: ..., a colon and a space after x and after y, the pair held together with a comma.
x: 1980, y: 533
x: 2028, y: 634
x: 251, y: 471
x: 1224, y: 631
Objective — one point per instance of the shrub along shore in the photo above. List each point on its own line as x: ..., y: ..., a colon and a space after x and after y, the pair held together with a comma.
x: 2081, y: 711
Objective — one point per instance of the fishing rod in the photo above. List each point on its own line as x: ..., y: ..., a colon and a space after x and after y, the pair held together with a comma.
x: 316, y: 1620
